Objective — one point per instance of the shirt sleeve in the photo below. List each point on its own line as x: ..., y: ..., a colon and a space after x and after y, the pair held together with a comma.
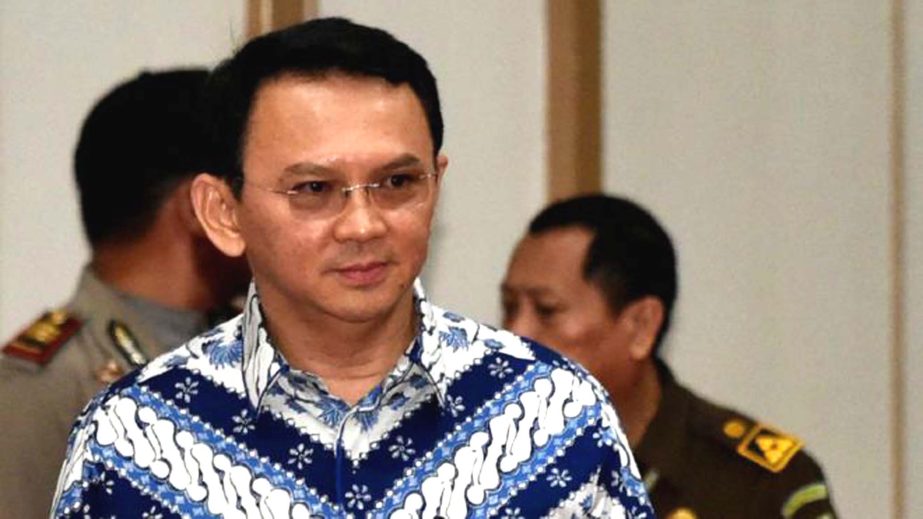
x: 79, y: 476
x: 804, y: 490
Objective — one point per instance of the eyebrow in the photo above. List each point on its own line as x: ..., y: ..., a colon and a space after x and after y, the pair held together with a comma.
x: 403, y: 161
x: 531, y: 291
x: 310, y: 168
x: 306, y: 168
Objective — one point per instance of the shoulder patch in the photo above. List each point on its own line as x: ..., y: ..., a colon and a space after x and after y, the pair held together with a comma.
x: 768, y: 447
x: 41, y: 340
x: 126, y: 343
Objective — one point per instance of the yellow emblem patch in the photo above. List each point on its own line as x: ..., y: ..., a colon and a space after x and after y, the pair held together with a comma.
x: 40, y: 341
x: 682, y: 513
x: 769, y: 447
x: 734, y: 428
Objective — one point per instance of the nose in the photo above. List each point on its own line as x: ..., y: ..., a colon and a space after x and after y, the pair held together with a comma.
x: 520, y: 323
x: 360, y: 220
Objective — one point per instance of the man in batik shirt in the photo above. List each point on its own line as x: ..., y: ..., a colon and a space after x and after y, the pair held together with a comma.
x: 341, y: 391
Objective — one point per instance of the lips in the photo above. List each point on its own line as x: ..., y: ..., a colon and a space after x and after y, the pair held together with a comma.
x: 363, y: 274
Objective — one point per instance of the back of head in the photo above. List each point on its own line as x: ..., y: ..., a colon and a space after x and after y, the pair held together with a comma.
x: 313, y: 49
x: 630, y: 256
x: 137, y: 144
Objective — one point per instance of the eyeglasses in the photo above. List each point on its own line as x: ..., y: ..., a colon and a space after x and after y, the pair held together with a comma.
x: 325, y: 198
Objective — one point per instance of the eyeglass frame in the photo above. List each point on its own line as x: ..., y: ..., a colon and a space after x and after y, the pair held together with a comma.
x: 345, y: 190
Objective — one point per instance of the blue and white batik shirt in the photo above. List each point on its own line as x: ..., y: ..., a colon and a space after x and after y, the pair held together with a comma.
x: 471, y: 422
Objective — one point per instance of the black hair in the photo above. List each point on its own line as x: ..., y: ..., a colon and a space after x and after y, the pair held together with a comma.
x: 630, y: 255
x: 138, y: 142
x: 313, y: 49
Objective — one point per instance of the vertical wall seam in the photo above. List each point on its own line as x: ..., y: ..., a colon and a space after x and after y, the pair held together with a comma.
x: 573, y: 99
x: 898, y: 344
x: 269, y: 15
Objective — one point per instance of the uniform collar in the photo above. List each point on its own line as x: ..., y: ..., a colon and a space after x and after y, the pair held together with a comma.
x: 661, y: 448
x: 263, y: 365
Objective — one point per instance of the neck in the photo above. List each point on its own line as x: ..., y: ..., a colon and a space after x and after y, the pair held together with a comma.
x: 161, y: 271
x: 351, y: 358
x: 638, y: 406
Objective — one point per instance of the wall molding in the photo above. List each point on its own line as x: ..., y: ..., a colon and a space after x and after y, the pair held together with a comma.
x: 574, y: 98
x: 898, y: 258
x: 268, y: 15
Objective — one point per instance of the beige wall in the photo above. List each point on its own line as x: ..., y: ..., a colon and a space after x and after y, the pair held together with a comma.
x: 760, y: 133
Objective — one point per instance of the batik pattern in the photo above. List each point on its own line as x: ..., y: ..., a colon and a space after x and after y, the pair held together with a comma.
x: 471, y: 422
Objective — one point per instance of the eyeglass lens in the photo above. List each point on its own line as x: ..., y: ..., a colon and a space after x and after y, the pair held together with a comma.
x: 395, y: 191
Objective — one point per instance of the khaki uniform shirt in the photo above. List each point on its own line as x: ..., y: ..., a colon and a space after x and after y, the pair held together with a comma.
x: 38, y: 403
x: 703, y: 461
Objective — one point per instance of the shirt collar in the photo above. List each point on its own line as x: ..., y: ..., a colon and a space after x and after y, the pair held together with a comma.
x: 263, y: 364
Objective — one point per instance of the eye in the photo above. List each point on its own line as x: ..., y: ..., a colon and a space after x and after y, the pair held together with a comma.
x: 312, y: 187
x: 400, y: 180
x: 545, y: 312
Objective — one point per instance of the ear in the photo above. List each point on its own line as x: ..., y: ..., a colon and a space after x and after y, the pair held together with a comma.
x: 643, y: 317
x: 442, y: 163
x: 216, y: 210
x: 185, y: 209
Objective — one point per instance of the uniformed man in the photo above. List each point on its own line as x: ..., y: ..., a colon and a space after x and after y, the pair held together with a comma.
x: 595, y: 277
x: 152, y: 278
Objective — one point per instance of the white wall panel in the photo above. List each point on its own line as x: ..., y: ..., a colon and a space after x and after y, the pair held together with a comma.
x: 56, y: 59
x: 759, y: 133
x: 489, y: 60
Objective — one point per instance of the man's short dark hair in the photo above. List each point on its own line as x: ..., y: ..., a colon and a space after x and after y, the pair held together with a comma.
x: 139, y: 141
x: 313, y: 49
x: 630, y: 255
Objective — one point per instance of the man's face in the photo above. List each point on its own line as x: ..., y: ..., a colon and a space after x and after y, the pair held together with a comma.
x: 546, y: 298
x: 358, y: 264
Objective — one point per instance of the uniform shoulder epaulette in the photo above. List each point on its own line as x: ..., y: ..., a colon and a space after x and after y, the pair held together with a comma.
x: 762, y: 444
x: 43, y: 338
